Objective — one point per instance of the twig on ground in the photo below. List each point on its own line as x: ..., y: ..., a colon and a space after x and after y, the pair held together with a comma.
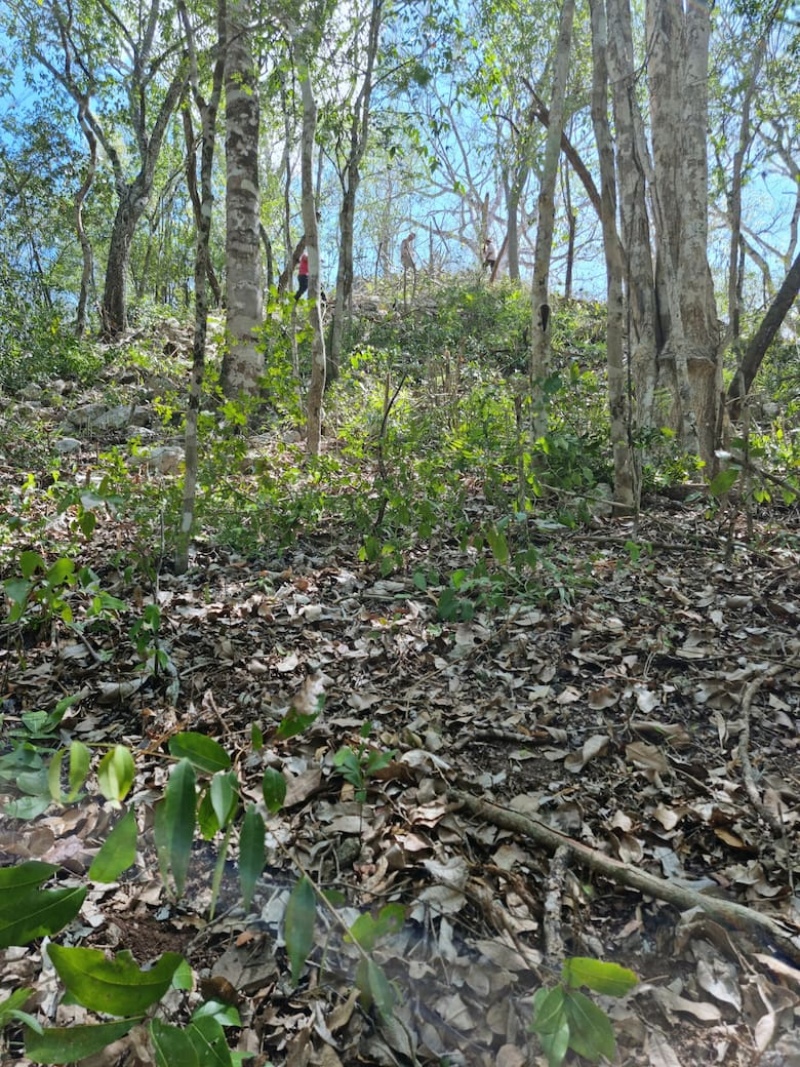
x: 744, y: 751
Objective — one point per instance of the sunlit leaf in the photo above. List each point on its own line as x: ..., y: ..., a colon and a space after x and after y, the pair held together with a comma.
x: 608, y: 978
x: 116, y: 773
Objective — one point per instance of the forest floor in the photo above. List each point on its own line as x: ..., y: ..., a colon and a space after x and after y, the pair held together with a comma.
x: 650, y: 711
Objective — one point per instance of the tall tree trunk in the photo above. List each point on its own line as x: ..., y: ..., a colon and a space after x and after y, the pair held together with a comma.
x: 350, y: 177
x: 203, y: 205
x: 633, y: 173
x: 515, y: 185
x: 133, y: 199
x: 316, y: 386
x: 114, y: 309
x: 243, y: 363
x: 87, y: 257
x: 625, y: 493
x: 677, y: 67
x: 542, y: 324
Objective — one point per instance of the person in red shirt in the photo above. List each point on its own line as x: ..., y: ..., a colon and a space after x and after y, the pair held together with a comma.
x: 302, y: 276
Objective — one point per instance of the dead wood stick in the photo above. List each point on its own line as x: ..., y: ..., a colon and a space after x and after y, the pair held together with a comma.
x: 724, y: 911
x: 744, y: 753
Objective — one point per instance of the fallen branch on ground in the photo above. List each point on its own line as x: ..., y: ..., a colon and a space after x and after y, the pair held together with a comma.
x: 724, y: 911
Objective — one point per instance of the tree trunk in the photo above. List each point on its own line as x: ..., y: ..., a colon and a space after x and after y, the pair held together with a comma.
x: 350, y: 177
x: 625, y: 495
x: 114, y: 310
x: 87, y: 257
x: 542, y: 319
x: 243, y: 363
x: 316, y: 386
x: 677, y: 67
x: 632, y: 175
x: 203, y: 205
x: 756, y: 350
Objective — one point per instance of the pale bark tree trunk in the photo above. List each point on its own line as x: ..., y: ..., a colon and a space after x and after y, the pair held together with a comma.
x: 243, y: 363
x: 572, y: 227
x: 316, y: 386
x: 515, y: 183
x: 542, y: 324
x: 633, y: 174
x: 87, y: 257
x: 625, y: 481
x: 350, y: 177
x: 677, y: 67
x: 203, y: 205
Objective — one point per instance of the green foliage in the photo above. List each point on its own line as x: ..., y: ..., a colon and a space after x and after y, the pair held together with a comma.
x: 564, y: 1018
x: 360, y: 764
x: 37, y: 346
x: 27, y: 911
x: 112, y: 987
x: 298, y: 925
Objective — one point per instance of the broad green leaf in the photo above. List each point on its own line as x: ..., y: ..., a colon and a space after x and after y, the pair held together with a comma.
x: 27, y: 807
x: 207, y: 821
x: 30, y: 913
x: 161, y: 839
x: 32, y: 873
x: 54, y: 775
x: 252, y: 854
x: 173, y: 1047
x: 256, y: 737
x: 498, y: 544
x: 225, y: 1014
x: 179, y: 815
x: 208, y: 1038
x: 30, y: 563
x: 80, y: 757
x: 368, y: 930
x: 273, y: 786
x: 17, y: 590
x: 116, y: 773
x: 12, y: 1008
x: 723, y: 481
x: 204, y: 753
x: 548, y: 1010
x: 590, y: 1032
x: 375, y: 988
x: 298, y: 922
x: 608, y: 978
x: 556, y: 1044
x: 183, y: 977
x: 68, y: 1044
x: 61, y: 571
x: 117, y: 986
x: 295, y: 722
x: 224, y: 797
x: 118, y: 851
